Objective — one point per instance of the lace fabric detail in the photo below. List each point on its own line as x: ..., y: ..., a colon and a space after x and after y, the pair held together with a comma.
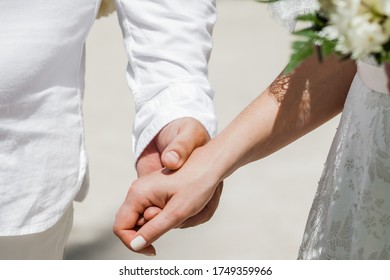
x: 350, y: 215
x: 286, y: 11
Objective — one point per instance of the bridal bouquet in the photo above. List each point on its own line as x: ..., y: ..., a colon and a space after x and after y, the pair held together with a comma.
x: 354, y: 29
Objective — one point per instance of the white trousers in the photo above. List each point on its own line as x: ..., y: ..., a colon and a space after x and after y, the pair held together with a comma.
x: 47, y: 245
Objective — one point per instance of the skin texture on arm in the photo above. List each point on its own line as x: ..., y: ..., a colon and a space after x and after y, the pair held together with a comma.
x: 291, y: 107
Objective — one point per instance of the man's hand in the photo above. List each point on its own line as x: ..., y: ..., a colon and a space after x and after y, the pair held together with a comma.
x: 172, y: 146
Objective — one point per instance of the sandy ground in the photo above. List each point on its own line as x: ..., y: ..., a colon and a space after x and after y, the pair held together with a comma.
x: 264, y: 206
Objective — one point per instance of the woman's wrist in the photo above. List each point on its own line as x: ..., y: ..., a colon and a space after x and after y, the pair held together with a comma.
x: 220, y: 158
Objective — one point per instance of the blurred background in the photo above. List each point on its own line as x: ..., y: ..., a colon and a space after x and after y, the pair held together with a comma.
x: 264, y: 206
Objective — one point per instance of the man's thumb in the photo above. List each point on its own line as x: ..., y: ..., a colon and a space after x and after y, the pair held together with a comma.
x: 186, y: 141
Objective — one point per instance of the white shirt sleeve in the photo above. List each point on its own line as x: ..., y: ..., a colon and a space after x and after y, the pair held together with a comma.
x: 168, y: 43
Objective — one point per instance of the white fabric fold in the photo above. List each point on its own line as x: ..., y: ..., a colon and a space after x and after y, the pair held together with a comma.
x: 42, y: 148
x: 374, y: 77
x: 168, y: 43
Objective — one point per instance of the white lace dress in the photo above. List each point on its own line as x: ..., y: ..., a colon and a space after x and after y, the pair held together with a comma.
x: 350, y: 215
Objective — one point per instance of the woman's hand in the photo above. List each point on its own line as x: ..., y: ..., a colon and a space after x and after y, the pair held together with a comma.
x: 186, y: 197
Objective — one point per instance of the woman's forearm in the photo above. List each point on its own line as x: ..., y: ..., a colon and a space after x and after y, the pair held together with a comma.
x: 291, y: 107
x: 288, y: 109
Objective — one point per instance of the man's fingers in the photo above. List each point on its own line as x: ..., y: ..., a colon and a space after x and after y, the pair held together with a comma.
x: 207, y: 212
x: 149, y: 160
x: 156, y: 227
x: 149, y: 214
x: 191, y: 134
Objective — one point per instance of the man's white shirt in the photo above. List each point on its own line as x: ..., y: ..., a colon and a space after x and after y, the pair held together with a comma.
x: 42, y: 150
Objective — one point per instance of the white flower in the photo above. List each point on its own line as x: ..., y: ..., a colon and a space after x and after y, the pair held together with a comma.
x: 379, y: 6
x: 363, y: 38
x: 356, y: 28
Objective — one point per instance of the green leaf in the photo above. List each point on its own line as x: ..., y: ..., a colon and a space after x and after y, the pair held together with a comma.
x: 315, y: 18
x: 307, y: 17
x: 328, y: 47
x: 386, y: 57
x: 308, y: 32
x: 301, y: 51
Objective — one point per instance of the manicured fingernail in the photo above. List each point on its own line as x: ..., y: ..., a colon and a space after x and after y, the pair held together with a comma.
x: 137, y: 243
x: 172, y: 157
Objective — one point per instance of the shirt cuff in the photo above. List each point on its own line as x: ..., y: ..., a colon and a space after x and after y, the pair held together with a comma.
x: 178, y: 101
